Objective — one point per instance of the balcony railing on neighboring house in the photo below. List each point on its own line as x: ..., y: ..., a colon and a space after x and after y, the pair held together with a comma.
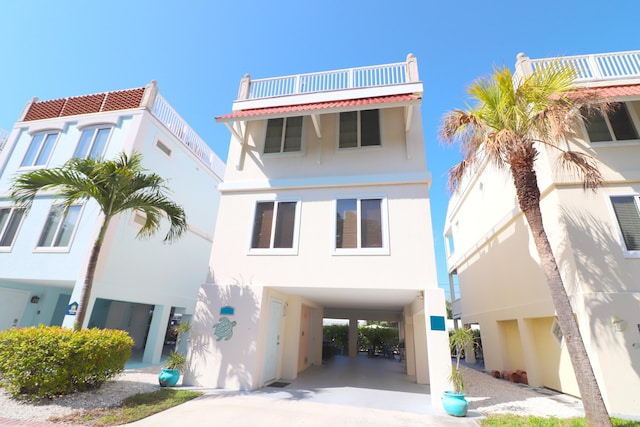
x: 351, y: 78
x: 172, y: 120
x: 590, y: 68
x: 4, y: 135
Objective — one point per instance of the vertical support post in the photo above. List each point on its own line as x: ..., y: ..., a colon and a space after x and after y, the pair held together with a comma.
x: 523, y: 66
x: 528, y: 342
x: 26, y: 109
x: 409, y: 346
x: 245, y: 84
x: 437, y: 346
x: 421, y: 348
x: 353, y: 337
x: 149, y: 96
x: 155, y: 338
x: 412, y: 69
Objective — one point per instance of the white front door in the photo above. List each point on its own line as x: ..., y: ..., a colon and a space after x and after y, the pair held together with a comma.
x: 12, y: 305
x: 272, y: 354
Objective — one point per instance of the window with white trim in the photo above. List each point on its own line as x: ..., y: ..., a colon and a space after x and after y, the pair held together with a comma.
x: 275, y: 226
x: 617, y: 125
x: 93, y: 142
x: 40, y: 149
x: 10, y: 219
x: 359, y: 129
x: 360, y: 225
x: 60, y: 227
x: 284, y: 135
x: 628, y: 216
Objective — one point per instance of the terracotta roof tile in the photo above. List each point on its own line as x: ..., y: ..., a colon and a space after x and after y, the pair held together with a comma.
x: 82, y: 105
x: 44, y: 110
x: 316, y: 106
x: 87, y: 104
x: 616, y: 91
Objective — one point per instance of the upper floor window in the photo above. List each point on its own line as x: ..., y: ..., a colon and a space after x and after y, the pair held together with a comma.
x: 617, y: 125
x: 93, y: 142
x: 10, y: 219
x: 60, y: 226
x: 283, y: 135
x: 275, y: 226
x: 628, y: 216
x: 361, y: 225
x: 40, y: 149
x: 359, y: 129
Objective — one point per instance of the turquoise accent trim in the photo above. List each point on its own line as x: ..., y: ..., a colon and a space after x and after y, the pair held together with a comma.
x: 227, y: 310
x: 438, y: 323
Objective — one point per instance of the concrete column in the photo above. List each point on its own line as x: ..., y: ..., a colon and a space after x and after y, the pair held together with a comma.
x: 523, y: 66
x: 245, y: 84
x: 157, y: 331
x: 528, y: 342
x: 420, y: 349
x: 409, y: 346
x: 149, y: 96
x: 76, y: 294
x: 353, y: 337
x: 412, y: 68
x: 437, y: 346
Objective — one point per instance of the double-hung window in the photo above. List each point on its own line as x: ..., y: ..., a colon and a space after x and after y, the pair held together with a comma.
x: 275, y: 227
x: 284, y: 135
x: 10, y: 219
x: 628, y: 216
x: 40, y: 149
x: 359, y: 129
x: 617, y: 125
x: 60, y: 227
x: 93, y: 142
x: 361, y: 226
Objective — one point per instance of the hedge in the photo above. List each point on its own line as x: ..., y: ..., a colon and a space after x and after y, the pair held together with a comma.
x: 47, y: 361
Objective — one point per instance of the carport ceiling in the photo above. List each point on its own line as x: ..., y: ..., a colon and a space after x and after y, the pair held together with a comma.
x: 357, y: 299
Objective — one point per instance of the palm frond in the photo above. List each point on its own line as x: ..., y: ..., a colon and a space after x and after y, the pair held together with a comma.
x: 583, y: 165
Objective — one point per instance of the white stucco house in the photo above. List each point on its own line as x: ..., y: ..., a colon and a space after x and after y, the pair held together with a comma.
x: 324, y: 213
x: 595, y: 236
x: 139, y: 284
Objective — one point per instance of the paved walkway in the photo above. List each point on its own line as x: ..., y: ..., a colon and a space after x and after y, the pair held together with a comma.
x: 347, y: 392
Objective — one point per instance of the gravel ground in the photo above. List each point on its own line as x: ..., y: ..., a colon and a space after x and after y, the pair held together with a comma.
x: 486, y: 395
x: 112, y: 393
x: 489, y: 395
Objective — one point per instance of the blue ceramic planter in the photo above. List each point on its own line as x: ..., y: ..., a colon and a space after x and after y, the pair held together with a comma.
x: 455, y: 404
x: 168, y: 377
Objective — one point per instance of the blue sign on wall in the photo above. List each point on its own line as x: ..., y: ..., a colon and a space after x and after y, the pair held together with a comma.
x: 72, y: 309
x: 438, y: 323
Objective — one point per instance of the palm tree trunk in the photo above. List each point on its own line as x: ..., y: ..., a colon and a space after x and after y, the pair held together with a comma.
x: 91, y: 270
x: 526, y: 183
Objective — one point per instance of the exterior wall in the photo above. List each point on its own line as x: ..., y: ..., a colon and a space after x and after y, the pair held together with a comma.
x: 134, y: 277
x: 406, y: 219
x: 512, y: 304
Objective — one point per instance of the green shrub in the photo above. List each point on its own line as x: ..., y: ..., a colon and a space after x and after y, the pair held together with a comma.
x: 49, y: 360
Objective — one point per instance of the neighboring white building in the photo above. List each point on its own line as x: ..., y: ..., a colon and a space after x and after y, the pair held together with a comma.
x: 138, y: 284
x: 324, y: 213
x: 595, y: 237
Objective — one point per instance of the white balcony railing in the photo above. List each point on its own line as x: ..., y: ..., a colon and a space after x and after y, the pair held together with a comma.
x: 172, y: 120
x: 4, y: 135
x: 351, y: 78
x: 604, y: 66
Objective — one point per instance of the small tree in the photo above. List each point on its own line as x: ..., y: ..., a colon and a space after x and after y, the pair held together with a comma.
x: 117, y: 186
x: 459, y: 339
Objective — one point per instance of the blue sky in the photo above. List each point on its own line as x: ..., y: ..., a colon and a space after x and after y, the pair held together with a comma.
x: 198, y: 50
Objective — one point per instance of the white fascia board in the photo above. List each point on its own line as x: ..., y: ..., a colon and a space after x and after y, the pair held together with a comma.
x: 336, y: 95
x: 327, y: 182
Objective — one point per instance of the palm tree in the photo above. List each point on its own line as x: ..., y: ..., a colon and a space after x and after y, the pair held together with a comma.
x: 117, y: 186
x: 510, y: 121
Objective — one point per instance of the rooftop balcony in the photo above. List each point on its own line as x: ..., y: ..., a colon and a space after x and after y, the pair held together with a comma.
x: 350, y: 83
x: 591, y: 69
